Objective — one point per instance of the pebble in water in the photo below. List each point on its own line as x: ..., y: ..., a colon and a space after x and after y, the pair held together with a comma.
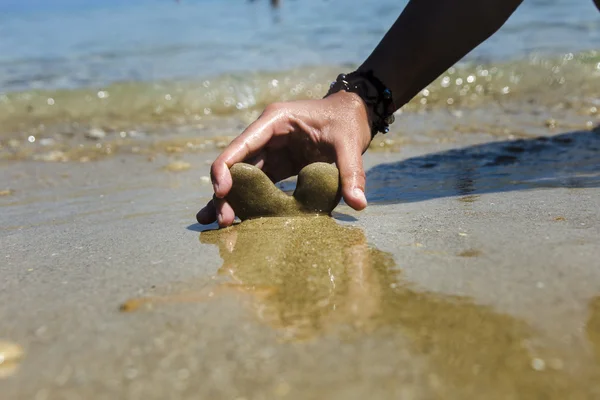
x: 52, y: 156
x: 177, y: 166
x: 95, y: 134
x: 10, y: 355
x: 538, y: 364
x: 254, y: 195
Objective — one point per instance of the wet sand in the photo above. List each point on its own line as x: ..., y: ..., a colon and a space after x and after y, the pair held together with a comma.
x: 473, y: 274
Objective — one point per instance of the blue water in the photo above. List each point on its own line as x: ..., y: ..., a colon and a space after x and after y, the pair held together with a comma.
x: 77, y: 43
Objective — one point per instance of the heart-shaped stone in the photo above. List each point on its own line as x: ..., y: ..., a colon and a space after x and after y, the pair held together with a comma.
x: 254, y: 195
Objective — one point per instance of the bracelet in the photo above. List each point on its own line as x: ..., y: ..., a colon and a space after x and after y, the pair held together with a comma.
x: 377, y: 97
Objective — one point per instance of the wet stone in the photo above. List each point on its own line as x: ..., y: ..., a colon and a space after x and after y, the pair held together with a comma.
x: 177, y: 166
x: 254, y: 195
x: 10, y: 355
x: 95, y: 134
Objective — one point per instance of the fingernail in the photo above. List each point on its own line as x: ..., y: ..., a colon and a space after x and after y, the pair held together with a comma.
x: 219, y: 219
x: 360, y: 195
x: 215, y: 187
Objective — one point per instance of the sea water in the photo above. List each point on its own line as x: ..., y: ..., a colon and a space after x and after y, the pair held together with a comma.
x: 67, y: 66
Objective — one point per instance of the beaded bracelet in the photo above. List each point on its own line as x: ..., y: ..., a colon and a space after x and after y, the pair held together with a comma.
x: 377, y: 97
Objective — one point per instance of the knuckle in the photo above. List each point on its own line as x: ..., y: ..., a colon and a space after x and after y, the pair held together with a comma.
x: 274, y: 108
x: 213, y: 170
x: 313, y: 134
x: 279, y: 111
x: 247, y: 147
x: 353, y: 173
x: 361, y: 181
x: 348, y: 174
x: 360, y: 176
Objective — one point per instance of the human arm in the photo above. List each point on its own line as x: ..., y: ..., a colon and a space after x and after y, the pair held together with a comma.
x: 428, y: 37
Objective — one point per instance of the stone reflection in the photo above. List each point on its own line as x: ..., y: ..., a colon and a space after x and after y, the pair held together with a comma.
x: 314, y: 274
x: 311, y: 277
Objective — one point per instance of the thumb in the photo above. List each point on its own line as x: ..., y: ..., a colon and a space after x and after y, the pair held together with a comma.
x: 349, y: 162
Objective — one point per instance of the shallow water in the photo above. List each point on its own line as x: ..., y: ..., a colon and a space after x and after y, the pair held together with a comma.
x: 294, y: 300
x: 493, y: 296
x: 75, y: 73
x: 74, y: 43
x: 84, y: 124
x: 312, y: 280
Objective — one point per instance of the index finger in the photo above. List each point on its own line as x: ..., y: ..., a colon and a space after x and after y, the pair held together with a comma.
x: 246, y: 145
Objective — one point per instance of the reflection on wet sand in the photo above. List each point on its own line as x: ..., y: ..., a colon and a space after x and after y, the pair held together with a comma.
x: 325, y: 278
x: 311, y: 278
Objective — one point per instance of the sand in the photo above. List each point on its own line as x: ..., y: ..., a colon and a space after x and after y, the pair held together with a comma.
x: 470, y: 275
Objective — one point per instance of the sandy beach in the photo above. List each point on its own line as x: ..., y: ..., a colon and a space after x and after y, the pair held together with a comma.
x: 474, y: 272
x: 484, y: 282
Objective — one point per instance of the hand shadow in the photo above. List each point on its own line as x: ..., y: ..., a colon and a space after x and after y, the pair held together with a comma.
x: 570, y: 160
x: 196, y: 227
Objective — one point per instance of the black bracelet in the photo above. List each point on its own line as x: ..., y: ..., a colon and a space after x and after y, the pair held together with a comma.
x: 377, y: 97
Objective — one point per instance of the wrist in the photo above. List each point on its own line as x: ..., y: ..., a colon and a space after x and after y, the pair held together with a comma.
x: 378, y: 99
x: 356, y: 110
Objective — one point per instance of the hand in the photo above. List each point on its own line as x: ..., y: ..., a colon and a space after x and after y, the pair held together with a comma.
x: 289, y: 136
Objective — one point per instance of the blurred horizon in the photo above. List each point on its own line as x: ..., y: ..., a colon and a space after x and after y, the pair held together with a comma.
x: 36, y: 5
